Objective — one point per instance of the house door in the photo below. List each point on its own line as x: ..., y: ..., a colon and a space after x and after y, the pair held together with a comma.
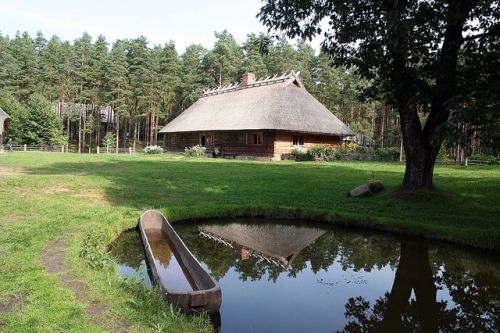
x: 203, y: 140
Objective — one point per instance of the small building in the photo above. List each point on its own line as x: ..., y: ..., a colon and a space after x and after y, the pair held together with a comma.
x: 258, y: 119
x: 4, y: 124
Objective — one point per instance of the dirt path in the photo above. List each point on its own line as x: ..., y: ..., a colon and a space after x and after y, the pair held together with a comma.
x: 55, y: 264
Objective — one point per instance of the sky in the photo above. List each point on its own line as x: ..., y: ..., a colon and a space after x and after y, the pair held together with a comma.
x: 183, y: 21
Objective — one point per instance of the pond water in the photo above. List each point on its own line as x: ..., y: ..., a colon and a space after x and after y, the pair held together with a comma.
x: 279, y: 276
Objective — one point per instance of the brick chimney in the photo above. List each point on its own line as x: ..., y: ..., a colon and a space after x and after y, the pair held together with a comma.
x: 247, y: 79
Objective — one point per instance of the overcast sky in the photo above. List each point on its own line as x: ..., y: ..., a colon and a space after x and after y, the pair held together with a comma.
x: 183, y: 21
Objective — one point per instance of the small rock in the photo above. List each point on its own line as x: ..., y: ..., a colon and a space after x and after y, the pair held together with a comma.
x: 367, y: 189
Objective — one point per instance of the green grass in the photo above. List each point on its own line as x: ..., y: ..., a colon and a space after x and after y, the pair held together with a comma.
x: 49, y: 196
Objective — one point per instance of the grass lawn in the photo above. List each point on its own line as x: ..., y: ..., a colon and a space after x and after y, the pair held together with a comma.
x: 58, y: 203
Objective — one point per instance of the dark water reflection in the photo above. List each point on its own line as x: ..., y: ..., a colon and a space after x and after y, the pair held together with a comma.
x: 278, y: 277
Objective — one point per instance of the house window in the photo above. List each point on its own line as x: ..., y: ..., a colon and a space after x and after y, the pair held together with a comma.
x: 206, y: 140
x: 254, y: 138
x: 298, y: 140
x: 173, y: 138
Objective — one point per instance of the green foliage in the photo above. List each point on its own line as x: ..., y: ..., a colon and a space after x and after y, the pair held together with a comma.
x: 300, y: 154
x: 424, y: 57
x: 109, y: 140
x: 36, y: 124
x: 443, y: 154
x: 16, y: 111
x: 324, y: 153
x: 153, y: 150
x: 93, y: 251
x: 224, y: 61
x: 195, y: 151
x: 138, y: 81
x: 387, y: 152
x: 491, y: 159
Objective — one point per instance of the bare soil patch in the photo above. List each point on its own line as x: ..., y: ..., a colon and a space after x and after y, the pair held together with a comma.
x: 14, y: 303
x: 6, y: 171
x: 54, y: 262
x: 56, y: 189
x: 10, y: 219
x: 92, y: 194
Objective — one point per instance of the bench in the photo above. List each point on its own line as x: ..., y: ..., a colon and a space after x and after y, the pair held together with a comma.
x: 232, y: 155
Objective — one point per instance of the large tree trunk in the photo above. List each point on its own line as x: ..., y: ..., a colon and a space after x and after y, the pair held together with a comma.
x: 419, y: 151
x: 419, y: 168
x: 422, y: 144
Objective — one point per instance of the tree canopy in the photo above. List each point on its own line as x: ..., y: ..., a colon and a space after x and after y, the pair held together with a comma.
x: 422, y: 56
x: 146, y: 86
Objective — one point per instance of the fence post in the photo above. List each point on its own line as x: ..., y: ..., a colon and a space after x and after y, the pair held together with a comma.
x: 98, y: 149
x: 466, y: 161
x: 25, y: 147
x: 130, y: 150
x: 62, y: 149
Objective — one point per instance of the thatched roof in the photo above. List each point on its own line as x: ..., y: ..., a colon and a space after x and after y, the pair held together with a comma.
x: 276, y: 243
x: 280, y: 103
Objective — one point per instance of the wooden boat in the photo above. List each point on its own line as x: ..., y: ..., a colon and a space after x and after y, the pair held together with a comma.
x: 175, y: 271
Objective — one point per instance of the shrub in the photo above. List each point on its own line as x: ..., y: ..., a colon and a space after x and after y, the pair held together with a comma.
x: 93, y: 251
x: 351, y: 146
x: 300, y: 154
x: 109, y: 140
x: 363, y: 150
x: 195, y: 151
x: 491, y: 159
x: 324, y: 153
x: 153, y: 150
x: 387, y: 152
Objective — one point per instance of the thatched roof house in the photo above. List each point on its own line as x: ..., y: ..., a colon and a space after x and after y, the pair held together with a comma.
x: 4, y: 123
x: 260, y: 118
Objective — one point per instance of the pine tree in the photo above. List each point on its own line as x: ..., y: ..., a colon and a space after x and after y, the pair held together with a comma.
x: 254, y: 59
x: 194, y: 78
x: 23, y: 80
x: 137, y: 58
x: 117, y: 87
x: 39, y: 124
x: 223, y: 62
x: 8, y: 66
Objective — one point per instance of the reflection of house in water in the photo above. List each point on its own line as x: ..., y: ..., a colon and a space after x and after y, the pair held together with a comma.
x: 277, y: 244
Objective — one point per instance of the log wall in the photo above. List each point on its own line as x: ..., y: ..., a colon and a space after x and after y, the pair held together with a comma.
x: 274, y: 143
x: 231, y: 142
x: 284, y: 141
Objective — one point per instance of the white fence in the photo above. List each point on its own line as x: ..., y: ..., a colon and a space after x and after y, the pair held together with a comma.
x: 62, y: 149
x: 105, y: 150
x: 476, y: 162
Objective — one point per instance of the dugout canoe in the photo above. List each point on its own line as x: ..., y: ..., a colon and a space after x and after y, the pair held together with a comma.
x: 199, y: 292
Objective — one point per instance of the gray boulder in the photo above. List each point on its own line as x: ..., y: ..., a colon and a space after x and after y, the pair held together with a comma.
x: 367, y: 189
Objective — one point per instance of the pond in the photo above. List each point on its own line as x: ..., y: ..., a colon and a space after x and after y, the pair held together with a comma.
x: 279, y: 276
